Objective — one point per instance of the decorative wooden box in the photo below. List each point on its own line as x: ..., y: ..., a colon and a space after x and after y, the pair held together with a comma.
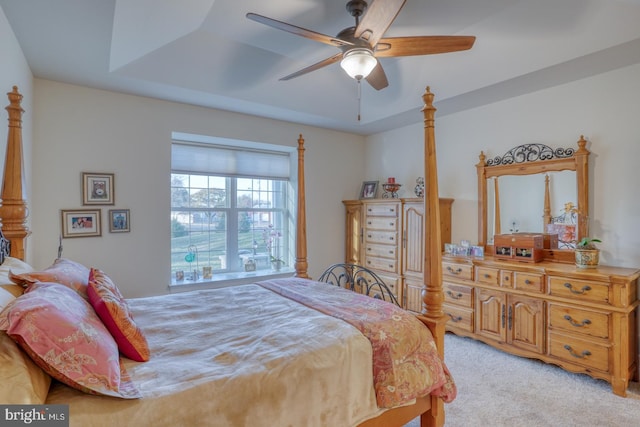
x: 526, y: 247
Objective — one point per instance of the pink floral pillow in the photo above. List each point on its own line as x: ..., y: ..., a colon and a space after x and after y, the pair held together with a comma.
x: 63, y: 335
x: 63, y: 271
x: 112, y: 308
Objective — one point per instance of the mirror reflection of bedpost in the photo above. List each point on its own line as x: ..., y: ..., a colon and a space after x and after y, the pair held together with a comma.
x: 301, y: 217
x: 14, y: 211
x: 497, y: 223
x: 482, y: 201
x: 546, y: 212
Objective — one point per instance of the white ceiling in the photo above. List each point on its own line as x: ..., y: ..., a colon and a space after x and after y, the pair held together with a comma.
x: 206, y: 52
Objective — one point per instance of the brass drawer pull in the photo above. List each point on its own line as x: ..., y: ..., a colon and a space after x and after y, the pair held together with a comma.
x: 582, y: 355
x: 455, y: 319
x: 577, y: 324
x: 584, y: 289
x: 452, y: 271
x: 454, y: 296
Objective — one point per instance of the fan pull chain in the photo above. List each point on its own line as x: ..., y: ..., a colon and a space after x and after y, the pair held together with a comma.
x: 359, y: 97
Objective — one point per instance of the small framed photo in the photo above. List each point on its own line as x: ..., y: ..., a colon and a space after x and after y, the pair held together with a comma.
x: 97, y: 188
x: 477, y: 251
x: 119, y: 221
x: 80, y: 223
x: 369, y: 190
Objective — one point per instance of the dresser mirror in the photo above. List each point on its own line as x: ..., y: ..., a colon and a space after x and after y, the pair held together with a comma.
x: 530, y: 186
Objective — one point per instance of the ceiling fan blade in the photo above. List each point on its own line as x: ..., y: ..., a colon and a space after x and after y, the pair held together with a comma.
x: 377, y: 78
x: 335, y: 58
x: 422, y: 45
x: 298, y: 31
x: 377, y: 19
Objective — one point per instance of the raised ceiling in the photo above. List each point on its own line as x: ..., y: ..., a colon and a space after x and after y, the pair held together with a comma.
x: 206, y: 52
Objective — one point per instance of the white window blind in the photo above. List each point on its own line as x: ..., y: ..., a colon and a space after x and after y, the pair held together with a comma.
x: 229, y: 161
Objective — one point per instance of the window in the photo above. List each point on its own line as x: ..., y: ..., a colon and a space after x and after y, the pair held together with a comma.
x: 230, y: 212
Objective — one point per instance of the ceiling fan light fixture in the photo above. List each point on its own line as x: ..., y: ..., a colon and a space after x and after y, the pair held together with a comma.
x: 358, y: 63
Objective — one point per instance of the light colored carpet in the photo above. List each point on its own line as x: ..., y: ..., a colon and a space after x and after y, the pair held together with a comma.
x: 500, y: 390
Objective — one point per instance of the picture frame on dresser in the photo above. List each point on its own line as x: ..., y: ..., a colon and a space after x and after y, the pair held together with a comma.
x: 369, y: 190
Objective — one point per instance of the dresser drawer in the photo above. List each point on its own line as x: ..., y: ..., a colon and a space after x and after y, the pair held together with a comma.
x: 457, y: 294
x: 386, y: 237
x: 379, y: 250
x: 529, y: 282
x: 461, y: 318
x: 577, y: 320
x: 382, y: 209
x: 384, y: 264
x: 582, y: 352
x: 580, y: 290
x: 488, y: 275
x: 382, y: 223
x: 461, y: 271
x: 390, y: 281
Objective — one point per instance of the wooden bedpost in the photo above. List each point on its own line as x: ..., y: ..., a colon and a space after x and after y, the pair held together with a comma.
x: 14, y: 211
x: 432, y: 294
x: 301, y: 217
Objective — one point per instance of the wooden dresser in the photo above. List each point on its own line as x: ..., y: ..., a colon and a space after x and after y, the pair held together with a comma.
x: 385, y: 235
x: 583, y: 320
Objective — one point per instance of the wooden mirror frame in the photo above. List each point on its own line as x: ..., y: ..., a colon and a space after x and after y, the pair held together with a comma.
x: 532, y: 159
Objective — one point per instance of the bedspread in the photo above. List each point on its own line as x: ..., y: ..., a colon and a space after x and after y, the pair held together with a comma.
x: 406, y: 364
x: 237, y: 356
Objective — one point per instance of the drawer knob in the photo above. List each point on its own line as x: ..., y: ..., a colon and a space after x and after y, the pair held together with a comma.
x: 454, y: 296
x: 455, y: 319
x: 527, y: 282
x: 582, y: 291
x: 487, y: 275
x: 582, y: 355
x: 585, y: 322
x: 452, y: 271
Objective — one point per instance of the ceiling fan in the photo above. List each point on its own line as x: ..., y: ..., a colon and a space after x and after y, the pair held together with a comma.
x: 362, y: 44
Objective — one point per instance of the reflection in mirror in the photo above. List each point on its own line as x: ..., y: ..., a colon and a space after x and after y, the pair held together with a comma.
x: 522, y: 201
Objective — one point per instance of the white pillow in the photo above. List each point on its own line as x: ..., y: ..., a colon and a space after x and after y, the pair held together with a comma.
x: 16, y: 265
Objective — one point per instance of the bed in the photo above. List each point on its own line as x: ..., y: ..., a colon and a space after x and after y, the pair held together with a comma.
x: 295, y: 352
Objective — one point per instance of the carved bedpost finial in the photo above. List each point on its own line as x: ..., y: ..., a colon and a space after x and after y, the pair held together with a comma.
x: 14, y: 210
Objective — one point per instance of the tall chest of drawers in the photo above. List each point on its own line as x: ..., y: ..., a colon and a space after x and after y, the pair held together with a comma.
x: 584, y: 320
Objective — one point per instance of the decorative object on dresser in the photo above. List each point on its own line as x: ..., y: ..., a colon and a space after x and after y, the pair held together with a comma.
x: 587, y: 254
x: 525, y: 247
x: 583, y: 320
x: 419, y: 188
x: 391, y: 188
x: 386, y: 236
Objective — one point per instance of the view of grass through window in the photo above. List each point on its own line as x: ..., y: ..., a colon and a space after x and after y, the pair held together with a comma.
x: 227, y: 224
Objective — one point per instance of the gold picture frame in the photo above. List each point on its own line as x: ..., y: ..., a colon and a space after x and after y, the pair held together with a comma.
x: 81, y: 223
x: 97, y: 188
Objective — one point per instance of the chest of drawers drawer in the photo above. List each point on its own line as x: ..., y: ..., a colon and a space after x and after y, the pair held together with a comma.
x: 580, y: 290
x: 382, y: 223
x: 382, y: 209
x: 488, y: 275
x: 458, y: 294
x: 380, y: 250
x: 384, y: 264
x: 583, y: 352
x: 461, y: 271
x: 385, y: 237
x: 578, y: 320
x: 529, y: 282
x: 461, y: 318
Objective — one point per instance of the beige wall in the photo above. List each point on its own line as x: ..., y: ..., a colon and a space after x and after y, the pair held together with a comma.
x: 604, y: 108
x: 79, y: 129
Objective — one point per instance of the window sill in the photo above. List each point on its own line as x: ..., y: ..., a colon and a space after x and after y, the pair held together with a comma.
x: 223, y: 280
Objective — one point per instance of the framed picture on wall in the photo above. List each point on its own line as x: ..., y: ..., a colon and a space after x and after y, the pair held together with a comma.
x: 369, y: 190
x: 119, y: 221
x: 97, y: 188
x: 80, y: 223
